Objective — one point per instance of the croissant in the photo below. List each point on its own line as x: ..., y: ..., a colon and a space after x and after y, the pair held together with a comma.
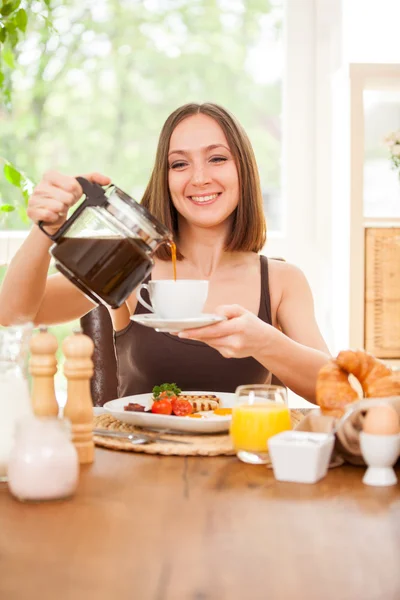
x: 385, y: 387
x: 365, y: 367
x: 334, y: 390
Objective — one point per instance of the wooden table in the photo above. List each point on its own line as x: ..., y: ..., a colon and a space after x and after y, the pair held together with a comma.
x: 171, y: 528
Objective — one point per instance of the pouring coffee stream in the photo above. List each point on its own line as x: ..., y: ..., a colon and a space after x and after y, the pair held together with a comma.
x: 173, y: 256
x: 106, y: 246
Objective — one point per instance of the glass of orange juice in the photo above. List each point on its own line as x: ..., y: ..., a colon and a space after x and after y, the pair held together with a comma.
x: 260, y: 411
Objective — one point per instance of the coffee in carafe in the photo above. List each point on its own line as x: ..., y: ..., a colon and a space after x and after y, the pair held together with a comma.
x: 105, y: 248
x: 109, y: 267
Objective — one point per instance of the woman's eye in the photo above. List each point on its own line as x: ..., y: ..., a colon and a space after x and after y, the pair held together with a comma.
x: 177, y: 165
x: 218, y: 159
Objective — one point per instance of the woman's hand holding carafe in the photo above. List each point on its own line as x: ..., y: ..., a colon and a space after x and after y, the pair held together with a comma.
x: 54, y: 196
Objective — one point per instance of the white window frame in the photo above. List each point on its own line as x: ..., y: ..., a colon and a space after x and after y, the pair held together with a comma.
x: 313, y: 53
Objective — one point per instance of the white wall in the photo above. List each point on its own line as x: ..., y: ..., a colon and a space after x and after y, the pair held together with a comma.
x: 371, y: 31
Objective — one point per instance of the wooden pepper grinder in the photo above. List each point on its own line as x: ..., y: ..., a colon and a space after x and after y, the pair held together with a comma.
x: 78, y: 369
x: 43, y: 367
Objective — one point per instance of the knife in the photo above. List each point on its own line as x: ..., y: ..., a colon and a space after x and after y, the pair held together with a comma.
x: 135, y: 438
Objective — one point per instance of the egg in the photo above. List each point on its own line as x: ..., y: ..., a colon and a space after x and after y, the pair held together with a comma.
x: 382, y: 420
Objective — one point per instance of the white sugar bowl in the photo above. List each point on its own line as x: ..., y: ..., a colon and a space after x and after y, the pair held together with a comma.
x: 300, y: 456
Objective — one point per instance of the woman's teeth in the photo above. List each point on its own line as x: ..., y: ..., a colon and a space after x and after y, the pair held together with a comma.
x: 204, y: 198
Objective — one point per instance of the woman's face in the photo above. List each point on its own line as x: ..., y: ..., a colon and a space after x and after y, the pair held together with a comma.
x: 202, y: 177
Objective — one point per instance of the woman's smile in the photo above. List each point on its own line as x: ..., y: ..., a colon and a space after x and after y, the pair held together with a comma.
x: 204, y: 199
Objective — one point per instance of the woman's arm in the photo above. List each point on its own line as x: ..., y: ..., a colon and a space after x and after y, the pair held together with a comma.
x: 294, y: 354
x: 27, y: 294
x: 297, y: 352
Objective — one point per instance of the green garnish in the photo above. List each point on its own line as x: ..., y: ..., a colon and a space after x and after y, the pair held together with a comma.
x: 171, y: 388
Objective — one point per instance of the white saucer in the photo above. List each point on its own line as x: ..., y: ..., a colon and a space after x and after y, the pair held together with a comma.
x: 173, y: 325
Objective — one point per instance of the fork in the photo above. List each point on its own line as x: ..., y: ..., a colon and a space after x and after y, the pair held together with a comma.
x: 135, y: 438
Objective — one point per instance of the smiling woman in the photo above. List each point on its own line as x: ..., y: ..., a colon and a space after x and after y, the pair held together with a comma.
x: 195, y: 174
x: 205, y: 188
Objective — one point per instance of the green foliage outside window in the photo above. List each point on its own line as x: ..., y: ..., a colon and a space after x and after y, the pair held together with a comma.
x: 14, y: 15
x: 91, y: 90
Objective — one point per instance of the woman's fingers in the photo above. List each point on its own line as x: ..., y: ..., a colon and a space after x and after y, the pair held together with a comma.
x: 55, y: 194
x: 230, y: 311
x: 68, y: 184
x: 45, y: 215
x: 49, y: 196
x: 97, y: 178
x: 210, y: 332
x: 46, y: 210
x: 47, y: 192
x: 53, y: 201
x: 219, y: 330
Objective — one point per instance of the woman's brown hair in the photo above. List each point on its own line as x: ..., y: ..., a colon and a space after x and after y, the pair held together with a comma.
x: 248, y: 232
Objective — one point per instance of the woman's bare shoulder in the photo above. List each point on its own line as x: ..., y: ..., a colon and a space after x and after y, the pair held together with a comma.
x: 285, y: 279
x: 284, y: 273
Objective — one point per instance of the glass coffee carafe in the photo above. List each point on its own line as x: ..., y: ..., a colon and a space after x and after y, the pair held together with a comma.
x: 105, y: 247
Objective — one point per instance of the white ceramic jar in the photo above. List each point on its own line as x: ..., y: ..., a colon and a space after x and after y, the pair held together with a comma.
x: 44, y: 463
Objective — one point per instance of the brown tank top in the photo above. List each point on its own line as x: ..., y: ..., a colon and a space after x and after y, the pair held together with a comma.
x: 146, y: 358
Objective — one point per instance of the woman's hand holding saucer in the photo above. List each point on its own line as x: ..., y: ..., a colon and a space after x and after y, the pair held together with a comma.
x: 241, y: 335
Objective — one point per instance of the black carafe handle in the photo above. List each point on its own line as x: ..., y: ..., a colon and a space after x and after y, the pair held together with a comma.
x: 94, y: 196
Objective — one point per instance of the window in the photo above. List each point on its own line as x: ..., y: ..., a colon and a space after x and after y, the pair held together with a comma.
x: 381, y: 182
x: 93, y: 94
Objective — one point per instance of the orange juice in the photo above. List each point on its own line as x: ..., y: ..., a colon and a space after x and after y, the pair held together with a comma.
x: 253, y: 424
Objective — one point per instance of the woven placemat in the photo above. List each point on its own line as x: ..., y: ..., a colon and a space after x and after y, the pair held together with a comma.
x: 198, y: 445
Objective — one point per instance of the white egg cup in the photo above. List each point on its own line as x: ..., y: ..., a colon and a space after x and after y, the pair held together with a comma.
x: 380, y: 452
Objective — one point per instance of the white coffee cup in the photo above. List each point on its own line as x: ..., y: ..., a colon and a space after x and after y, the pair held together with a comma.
x: 181, y: 299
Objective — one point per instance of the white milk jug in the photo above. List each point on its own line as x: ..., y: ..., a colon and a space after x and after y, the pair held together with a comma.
x: 14, y: 392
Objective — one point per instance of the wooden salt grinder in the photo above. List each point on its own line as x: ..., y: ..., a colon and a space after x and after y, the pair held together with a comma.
x: 78, y: 369
x: 43, y: 367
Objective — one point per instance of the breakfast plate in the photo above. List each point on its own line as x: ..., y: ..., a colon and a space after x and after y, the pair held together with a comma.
x: 175, y: 325
x: 209, y: 423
